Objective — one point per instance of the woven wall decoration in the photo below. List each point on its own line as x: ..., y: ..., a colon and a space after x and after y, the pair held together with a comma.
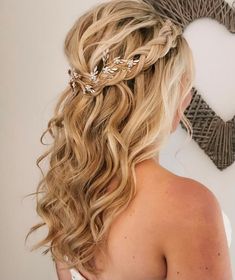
x: 215, y: 136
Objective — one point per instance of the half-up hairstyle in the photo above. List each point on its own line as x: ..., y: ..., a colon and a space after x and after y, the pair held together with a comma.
x: 98, y: 140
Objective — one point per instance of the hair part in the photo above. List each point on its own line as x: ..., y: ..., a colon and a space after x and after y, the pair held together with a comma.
x: 98, y: 140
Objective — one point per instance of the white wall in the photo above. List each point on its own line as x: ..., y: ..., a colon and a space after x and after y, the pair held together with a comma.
x: 34, y: 72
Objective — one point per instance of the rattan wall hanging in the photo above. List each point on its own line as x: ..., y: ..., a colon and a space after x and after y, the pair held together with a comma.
x: 215, y: 136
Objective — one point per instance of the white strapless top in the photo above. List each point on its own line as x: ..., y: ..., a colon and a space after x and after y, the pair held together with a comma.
x: 228, y: 229
x: 76, y: 275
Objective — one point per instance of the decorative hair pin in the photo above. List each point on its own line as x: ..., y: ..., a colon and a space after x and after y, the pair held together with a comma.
x: 107, y: 72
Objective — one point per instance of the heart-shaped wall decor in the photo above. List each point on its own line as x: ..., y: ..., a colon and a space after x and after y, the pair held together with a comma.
x: 215, y: 136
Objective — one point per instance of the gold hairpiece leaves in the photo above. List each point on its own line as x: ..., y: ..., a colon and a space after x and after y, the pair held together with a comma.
x: 107, y: 72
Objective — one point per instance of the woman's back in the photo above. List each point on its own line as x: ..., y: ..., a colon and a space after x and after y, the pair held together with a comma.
x: 131, y: 75
x: 155, y: 237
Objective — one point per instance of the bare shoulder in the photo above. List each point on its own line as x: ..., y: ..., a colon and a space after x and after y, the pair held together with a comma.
x: 188, y: 203
x: 195, y: 195
x: 194, y: 240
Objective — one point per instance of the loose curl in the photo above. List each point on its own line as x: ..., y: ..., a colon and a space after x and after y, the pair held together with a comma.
x: 99, y: 140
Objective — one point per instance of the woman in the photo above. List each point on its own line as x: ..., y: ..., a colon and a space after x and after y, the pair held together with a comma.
x: 113, y: 212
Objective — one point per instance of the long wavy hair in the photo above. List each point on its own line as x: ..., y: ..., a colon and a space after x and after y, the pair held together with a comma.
x: 100, y: 139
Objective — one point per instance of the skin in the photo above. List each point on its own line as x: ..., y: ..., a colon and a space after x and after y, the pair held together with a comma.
x: 62, y: 274
x: 182, y: 222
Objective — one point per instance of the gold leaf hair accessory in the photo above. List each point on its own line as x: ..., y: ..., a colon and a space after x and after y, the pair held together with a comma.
x: 108, y: 70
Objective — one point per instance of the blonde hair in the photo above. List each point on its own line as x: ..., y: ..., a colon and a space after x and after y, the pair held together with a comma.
x: 98, y: 139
